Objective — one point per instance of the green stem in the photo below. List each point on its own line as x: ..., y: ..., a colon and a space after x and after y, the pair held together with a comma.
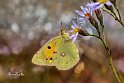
x: 115, y: 16
x: 99, y: 33
x: 102, y: 28
x: 94, y: 36
x: 120, y: 22
x: 109, y: 12
x: 113, y: 68
x: 118, y: 12
x: 110, y: 58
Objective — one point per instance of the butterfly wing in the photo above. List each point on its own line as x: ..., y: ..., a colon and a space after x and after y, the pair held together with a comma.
x: 58, y: 52
x: 67, y: 55
x: 45, y: 54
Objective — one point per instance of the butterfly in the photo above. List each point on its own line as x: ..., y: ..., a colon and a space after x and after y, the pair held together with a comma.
x: 59, y: 52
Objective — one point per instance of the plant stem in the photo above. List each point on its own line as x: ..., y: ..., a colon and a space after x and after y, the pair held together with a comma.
x: 115, y: 16
x: 113, y: 68
x: 109, y: 12
x: 111, y: 61
x: 118, y: 12
x: 119, y: 20
x: 109, y: 58
x: 102, y: 28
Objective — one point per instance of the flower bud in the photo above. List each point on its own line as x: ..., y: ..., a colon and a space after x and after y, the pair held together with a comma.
x: 99, y: 16
x: 93, y: 22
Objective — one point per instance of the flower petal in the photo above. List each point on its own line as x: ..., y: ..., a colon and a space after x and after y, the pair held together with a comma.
x: 71, y: 36
x: 76, y: 34
x: 100, y: 6
x: 82, y: 7
x: 92, y: 4
x: 91, y: 9
x: 108, y: 3
x: 75, y: 37
x: 85, y: 10
x: 82, y: 19
x: 74, y: 24
x: 80, y: 13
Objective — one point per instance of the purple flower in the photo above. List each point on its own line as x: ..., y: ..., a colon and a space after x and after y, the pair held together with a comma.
x: 74, y: 32
x: 99, y: 4
x: 86, y: 11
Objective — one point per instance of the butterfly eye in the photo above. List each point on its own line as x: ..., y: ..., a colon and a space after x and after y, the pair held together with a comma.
x: 63, y: 54
x: 49, y: 47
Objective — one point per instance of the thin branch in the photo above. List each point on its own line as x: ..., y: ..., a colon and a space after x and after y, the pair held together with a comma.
x: 118, y: 12
x: 115, y: 16
x: 109, y: 57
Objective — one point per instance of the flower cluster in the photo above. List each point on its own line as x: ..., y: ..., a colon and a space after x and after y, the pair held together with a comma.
x: 87, y: 12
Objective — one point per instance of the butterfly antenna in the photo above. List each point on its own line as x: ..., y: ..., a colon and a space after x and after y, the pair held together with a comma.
x: 61, y: 25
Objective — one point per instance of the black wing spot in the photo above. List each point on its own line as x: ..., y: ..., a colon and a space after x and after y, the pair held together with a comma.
x: 49, y: 47
x: 50, y: 58
x: 63, y: 54
x: 54, y: 52
x: 46, y: 59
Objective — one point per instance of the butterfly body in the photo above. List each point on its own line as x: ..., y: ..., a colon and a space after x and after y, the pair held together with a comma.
x: 58, y: 52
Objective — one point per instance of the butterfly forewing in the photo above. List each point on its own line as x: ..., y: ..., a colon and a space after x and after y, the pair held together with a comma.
x: 45, y: 54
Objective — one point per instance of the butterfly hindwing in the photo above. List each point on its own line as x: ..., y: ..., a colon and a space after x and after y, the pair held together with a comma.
x: 67, y: 55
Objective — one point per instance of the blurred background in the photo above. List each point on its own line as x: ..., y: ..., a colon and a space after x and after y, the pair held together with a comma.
x: 25, y: 25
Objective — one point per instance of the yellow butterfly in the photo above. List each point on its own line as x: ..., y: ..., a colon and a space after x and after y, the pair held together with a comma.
x: 58, y: 52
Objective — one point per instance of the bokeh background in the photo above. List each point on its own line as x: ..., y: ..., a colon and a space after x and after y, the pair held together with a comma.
x: 25, y: 25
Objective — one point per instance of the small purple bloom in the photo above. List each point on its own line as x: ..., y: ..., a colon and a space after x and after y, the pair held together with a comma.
x: 74, y: 36
x: 86, y: 11
x: 99, y: 4
x: 74, y: 32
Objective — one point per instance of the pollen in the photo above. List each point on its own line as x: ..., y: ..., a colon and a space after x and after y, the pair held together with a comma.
x: 87, y: 14
x: 102, y: 1
x: 76, y: 30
